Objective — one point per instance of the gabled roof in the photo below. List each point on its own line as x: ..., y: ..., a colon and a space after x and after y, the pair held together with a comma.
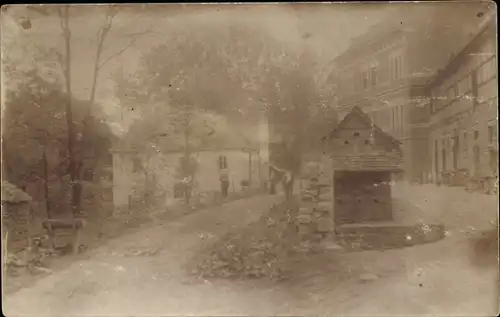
x: 222, y: 136
x: 488, y: 25
x: 357, y: 112
x: 440, y: 29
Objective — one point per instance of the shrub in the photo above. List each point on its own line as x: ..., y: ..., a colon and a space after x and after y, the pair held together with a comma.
x: 260, y: 250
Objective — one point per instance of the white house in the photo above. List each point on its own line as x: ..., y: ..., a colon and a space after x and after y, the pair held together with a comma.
x: 143, y: 176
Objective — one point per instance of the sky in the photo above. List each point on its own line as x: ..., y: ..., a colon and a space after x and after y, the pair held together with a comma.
x: 323, y: 29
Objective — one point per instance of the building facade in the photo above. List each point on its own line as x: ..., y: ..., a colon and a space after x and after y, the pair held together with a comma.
x: 155, y: 179
x: 156, y: 176
x: 463, y: 121
x: 385, y: 72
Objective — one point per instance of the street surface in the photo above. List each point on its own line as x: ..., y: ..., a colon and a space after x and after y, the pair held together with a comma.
x: 144, y: 274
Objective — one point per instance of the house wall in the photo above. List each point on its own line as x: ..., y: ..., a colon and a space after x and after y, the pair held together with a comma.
x: 163, y: 175
x: 464, y: 121
x: 380, y: 81
x: 385, y: 73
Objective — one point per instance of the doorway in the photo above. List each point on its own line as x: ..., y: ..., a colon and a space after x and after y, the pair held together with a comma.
x: 362, y: 196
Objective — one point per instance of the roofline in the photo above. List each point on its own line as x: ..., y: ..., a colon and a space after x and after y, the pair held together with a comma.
x: 368, y: 120
x: 439, y: 74
x: 385, y: 30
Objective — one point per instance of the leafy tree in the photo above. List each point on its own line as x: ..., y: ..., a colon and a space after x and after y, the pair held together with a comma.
x: 65, y: 14
x: 235, y: 71
x: 35, y: 132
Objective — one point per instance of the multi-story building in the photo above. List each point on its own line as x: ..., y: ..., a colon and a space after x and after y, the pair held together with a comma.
x: 463, y: 121
x: 385, y: 71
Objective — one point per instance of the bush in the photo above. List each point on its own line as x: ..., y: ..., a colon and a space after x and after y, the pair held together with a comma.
x: 262, y: 249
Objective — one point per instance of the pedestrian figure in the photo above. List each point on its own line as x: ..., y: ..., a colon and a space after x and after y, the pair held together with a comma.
x: 224, y: 185
x: 287, y: 180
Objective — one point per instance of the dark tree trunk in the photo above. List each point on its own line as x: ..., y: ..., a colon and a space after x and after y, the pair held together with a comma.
x: 74, y: 165
x: 46, y: 184
x: 288, y: 186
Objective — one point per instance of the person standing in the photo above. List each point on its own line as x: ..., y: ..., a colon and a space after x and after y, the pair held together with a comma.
x: 224, y: 185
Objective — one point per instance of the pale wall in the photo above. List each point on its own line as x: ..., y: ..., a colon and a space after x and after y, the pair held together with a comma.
x: 463, y: 118
x: 164, y: 169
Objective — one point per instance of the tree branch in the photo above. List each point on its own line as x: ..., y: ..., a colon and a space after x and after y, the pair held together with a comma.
x: 134, y: 39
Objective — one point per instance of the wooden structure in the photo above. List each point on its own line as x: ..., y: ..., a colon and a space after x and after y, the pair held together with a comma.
x: 364, y: 159
x: 16, y: 217
x: 64, y: 232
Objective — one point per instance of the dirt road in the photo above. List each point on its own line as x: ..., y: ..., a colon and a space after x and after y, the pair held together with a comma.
x: 144, y: 274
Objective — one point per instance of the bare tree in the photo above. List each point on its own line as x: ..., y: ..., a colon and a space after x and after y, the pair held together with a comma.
x: 65, y: 14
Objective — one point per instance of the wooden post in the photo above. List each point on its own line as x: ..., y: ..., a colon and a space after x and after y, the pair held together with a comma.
x: 332, y: 177
x: 51, y: 236
x: 76, y: 242
x: 249, y: 168
x: 46, y: 183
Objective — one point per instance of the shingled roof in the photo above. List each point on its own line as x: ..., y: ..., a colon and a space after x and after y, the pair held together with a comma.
x: 356, y: 111
x: 222, y: 136
x: 12, y: 194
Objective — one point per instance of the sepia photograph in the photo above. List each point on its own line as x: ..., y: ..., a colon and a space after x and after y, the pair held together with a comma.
x: 250, y: 159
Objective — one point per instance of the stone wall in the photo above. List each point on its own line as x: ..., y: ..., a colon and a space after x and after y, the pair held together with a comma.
x: 315, y: 216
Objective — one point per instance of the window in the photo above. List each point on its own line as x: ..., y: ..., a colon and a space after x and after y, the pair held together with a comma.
x: 492, y: 135
x: 436, y: 158
x: 373, y: 76
x: 443, y: 155
x: 477, y: 160
x: 464, y: 141
x: 107, y: 175
x: 394, y: 114
x: 474, y: 88
x: 222, y: 162
x: 365, y: 80
x: 456, y: 145
x: 486, y: 71
x: 88, y: 174
x: 178, y: 190
x: 450, y: 94
x: 476, y: 135
x: 401, y: 116
x: 400, y: 69
x: 136, y: 165
x: 494, y: 161
x: 464, y: 85
x: 456, y: 90
x: 397, y: 67
x: 357, y: 82
x: 63, y: 154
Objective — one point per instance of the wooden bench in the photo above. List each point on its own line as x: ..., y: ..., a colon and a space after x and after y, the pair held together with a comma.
x: 67, y: 229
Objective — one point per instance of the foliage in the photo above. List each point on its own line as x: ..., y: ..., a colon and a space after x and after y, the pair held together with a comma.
x: 35, y: 116
x: 261, y: 250
x: 79, y: 133
x: 235, y: 71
